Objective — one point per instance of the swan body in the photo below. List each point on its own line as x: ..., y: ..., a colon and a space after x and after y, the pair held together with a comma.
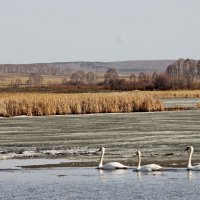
x: 190, y: 150
x: 150, y: 167
x: 111, y: 165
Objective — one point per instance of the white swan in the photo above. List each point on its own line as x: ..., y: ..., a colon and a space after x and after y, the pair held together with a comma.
x: 109, y: 166
x: 190, y: 150
x: 150, y: 167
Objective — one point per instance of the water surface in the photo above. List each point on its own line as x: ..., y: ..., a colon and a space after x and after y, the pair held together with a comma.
x: 89, y: 183
x: 183, y: 102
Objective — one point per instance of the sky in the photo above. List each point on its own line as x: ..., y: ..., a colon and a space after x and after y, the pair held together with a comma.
x: 35, y: 31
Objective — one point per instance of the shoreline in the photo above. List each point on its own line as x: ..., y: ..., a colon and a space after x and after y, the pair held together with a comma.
x: 182, y: 163
x: 167, y: 109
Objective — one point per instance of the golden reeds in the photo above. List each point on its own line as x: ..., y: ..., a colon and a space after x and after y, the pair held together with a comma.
x: 173, y: 94
x: 38, y: 104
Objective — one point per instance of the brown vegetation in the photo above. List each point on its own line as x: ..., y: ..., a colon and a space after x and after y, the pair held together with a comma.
x: 33, y: 104
x: 173, y: 94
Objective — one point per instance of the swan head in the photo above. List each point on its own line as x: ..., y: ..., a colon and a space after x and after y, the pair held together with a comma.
x: 138, y: 153
x: 102, y: 149
x: 189, y: 148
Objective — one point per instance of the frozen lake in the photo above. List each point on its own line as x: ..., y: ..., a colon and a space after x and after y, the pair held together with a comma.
x: 89, y: 183
x: 161, y: 136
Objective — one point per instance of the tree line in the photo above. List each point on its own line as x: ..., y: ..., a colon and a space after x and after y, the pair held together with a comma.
x: 182, y: 74
x: 42, y: 69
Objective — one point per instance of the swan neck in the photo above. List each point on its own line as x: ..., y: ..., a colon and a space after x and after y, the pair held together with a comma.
x: 139, y: 160
x: 101, y: 160
x: 190, y: 159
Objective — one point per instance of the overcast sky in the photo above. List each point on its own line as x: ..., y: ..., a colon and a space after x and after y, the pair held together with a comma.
x: 98, y: 30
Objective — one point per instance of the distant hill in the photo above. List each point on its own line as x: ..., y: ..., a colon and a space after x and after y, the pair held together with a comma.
x: 66, y: 68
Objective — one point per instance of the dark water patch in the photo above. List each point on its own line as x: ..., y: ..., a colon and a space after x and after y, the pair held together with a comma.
x: 68, y: 164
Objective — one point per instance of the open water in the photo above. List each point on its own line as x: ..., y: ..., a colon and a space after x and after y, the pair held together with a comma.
x: 89, y: 183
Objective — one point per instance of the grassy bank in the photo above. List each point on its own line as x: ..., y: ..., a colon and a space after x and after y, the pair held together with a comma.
x: 34, y: 104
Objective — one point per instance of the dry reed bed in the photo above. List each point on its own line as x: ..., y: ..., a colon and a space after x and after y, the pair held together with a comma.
x: 173, y: 94
x: 34, y: 104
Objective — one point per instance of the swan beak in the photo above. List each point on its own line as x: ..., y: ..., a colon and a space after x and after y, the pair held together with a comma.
x: 186, y: 149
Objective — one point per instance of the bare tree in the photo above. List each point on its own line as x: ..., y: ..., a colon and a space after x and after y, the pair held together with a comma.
x: 143, y: 77
x: 184, y: 68
x: 154, y: 75
x: 133, y: 77
x: 78, y: 77
x: 161, y: 82
x: 16, y: 83
x: 90, y: 77
x: 111, y: 76
x: 34, y: 79
x: 64, y: 80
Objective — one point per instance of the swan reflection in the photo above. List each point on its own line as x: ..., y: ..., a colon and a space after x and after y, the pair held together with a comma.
x: 192, y: 175
x: 141, y: 175
x: 109, y: 172
x: 106, y: 175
